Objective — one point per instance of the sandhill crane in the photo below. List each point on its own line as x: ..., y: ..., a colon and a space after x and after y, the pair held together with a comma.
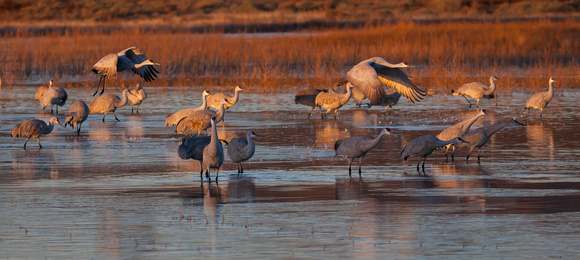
x: 458, y: 130
x: 131, y: 58
x: 108, y: 103
x: 200, y: 120
x: 541, y: 100
x: 332, y: 100
x: 359, y: 96
x: 242, y: 149
x: 192, y: 148
x: 307, y: 97
x: 370, y: 75
x: 136, y: 97
x: 391, y: 98
x: 424, y: 146
x: 52, y: 96
x: 174, y: 118
x: 480, y: 136
x: 213, y: 153
x: 476, y: 90
x: 39, y: 91
x: 76, y: 115
x: 213, y: 101
x: 34, y: 128
x: 358, y: 147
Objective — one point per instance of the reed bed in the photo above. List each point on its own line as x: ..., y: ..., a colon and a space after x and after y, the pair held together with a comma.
x: 522, y: 54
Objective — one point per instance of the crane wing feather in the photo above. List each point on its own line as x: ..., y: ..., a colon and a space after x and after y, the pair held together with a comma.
x: 107, y: 66
x: 137, y: 56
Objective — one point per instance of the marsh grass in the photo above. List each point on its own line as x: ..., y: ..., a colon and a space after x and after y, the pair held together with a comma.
x: 523, y: 55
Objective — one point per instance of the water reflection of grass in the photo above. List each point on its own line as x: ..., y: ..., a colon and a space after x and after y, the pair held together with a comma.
x: 522, y: 54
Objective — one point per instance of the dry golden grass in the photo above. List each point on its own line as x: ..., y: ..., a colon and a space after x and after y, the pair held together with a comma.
x: 524, y: 55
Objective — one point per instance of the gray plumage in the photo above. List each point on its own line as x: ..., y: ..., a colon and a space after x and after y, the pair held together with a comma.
x: 476, y: 90
x: 541, y: 100
x: 76, y: 115
x: 52, y: 96
x: 424, y: 146
x: 480, y: 136
x: 358, y: 147
x: 391, y: 98
x: 136, y: 97
x: 242, y: 149
x: 131, y: 58
x: 192, y: 148
x: 458, y: 130
x: 213, y: 101
x: 307, y: 97
x: 34, y: 128
x: 359, y: 96
x: 333, y: 101
x: 213, y: 153
x: 39, y: 91
x: 200, y: 120
x: 174, y: 118
x: 108, y: 103
x: 370, y: 75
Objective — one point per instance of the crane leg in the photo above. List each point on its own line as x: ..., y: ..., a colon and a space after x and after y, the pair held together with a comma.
x: 419, y: 162
x: 453, y: 153
x: 98, y: 85
x: 541, y: 110
x: 39, y: 145
x: 207, y: 175
x: 116, y: 117
x: 56, y: 109
x: 349, y: 166
x: 79, y: 130
x: 425, y: 159
x: 359, y: 166
x: 446, y: 156
x: 478, y: 155
x: 201, y: 170
x: 242, y: 168
x: 105, y: 114
x: 335, y: 112
x: 477, y: 103
x: 467, y: 101
x: 470, y: 150
x: 103, y: 89
x: 310, y: 113
x: 25, y: 143
x: 132, y: 109
x: 138, y: 108
x: 217, y: 175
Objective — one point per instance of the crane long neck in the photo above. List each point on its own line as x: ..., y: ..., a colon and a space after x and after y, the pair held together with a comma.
x: 220, y: 113
x: 551, y: 90
x: 214, y: 137
x: 123, y: 101
x: 235, y: 98
x: 374, y: 142
x: 204, y: 104
x: 470, y: 122
x: 491, y: 88
x: 251, y: 145
x: 347, y: 95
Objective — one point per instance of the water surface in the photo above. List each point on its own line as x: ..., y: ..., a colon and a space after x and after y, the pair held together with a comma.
x: 119, y: 190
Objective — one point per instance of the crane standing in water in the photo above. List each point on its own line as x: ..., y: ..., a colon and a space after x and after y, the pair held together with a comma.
x: 358, y: 147
x: 307, y: 97
x: 424, y: 146
x: 52, y: 96
x: 242, y: 149
x: 174, y: 118
x: 541, y: 100
x: 108, y: 103
x: 332, y: 100
x: 136, y: 97
x: 480, y: 136
x: 34, y: 128
x: 76, y: 115
x: 458, y: 130
x: 476, y: 90
x: 213, y: 153
x: 131, y: 58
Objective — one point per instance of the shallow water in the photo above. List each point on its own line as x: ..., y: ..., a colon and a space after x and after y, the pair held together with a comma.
x: 120, y: 191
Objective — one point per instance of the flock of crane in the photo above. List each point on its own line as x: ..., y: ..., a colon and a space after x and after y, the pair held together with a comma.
x: 365, y: 80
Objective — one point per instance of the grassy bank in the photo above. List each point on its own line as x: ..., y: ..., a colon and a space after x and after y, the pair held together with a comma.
x: 523, y: 54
